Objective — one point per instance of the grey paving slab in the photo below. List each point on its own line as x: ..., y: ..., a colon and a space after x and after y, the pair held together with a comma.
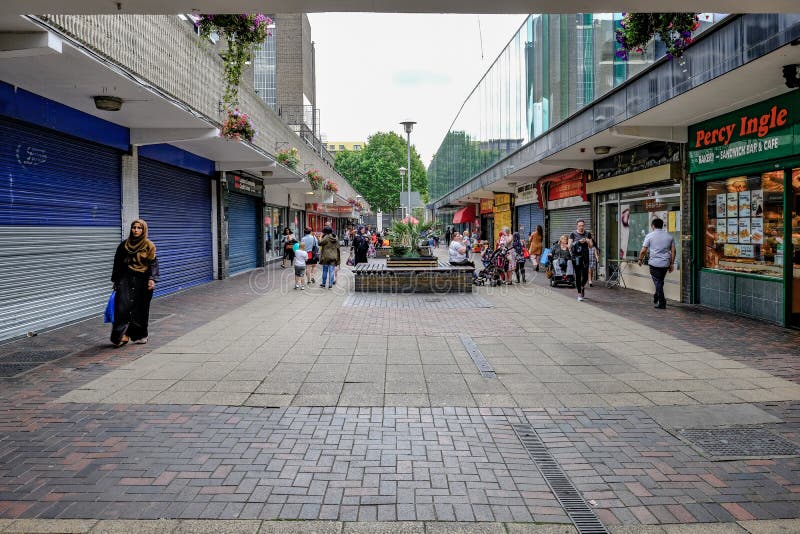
x: 778, y: 526
x: 134, y: 527
x: 710, y: 415
x: 37, y: 526
x: 388, y: 527
x: 450, y: 527
x: 297, y: 527
x: 215, y: 527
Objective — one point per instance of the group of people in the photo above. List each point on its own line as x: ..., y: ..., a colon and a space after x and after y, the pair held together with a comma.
x: 578, y: 248
x: 308, y: 252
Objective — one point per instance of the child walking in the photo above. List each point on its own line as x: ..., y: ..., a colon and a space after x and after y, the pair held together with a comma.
x: 300, y: 258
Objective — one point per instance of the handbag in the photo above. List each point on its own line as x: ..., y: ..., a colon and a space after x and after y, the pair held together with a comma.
x: 549, y: 271
x: 108, y: 316
x: 351, y: 260
x: 545, y: 258
x: 526, y: 253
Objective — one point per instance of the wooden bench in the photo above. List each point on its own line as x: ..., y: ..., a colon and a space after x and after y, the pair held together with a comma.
x: 444, y: 278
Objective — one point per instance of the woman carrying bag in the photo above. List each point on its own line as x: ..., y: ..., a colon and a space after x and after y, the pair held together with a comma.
x: 134, y: 277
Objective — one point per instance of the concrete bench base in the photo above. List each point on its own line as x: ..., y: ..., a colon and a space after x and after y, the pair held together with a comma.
x: 444, y: 278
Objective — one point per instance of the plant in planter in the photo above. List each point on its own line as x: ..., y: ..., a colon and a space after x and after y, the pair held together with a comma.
x: 405, y: 236
x: 288, y: 157
x: 331, y: 186
x: 242, y: 32
x: 315, y: 179
x: 237, y: 126
x: 638, y: 29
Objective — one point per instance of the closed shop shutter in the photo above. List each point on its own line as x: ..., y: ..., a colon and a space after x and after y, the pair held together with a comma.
x: 562, y: 221
x: 176, y: 204
x: 242, y: 233
x: 59, y: 227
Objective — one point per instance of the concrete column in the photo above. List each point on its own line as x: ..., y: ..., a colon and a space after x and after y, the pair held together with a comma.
x: 224, y: 251
x: 130, y: 190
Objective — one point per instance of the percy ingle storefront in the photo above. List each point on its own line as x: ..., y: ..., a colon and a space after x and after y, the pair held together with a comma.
x: 745, y: 170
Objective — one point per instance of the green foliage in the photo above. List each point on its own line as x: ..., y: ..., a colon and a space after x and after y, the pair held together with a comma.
x: 638, y: 29
x: 405, y: 235
x: 242, y: 32
x: 373, y: 172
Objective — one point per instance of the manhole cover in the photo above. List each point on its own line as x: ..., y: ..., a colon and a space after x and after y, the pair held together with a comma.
x: 738, y: 443
x: 39, y: 356
x: 12, y: 369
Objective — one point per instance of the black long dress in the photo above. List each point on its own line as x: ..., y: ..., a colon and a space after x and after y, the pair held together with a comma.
x: 132, y: 301
x: 360, y: 247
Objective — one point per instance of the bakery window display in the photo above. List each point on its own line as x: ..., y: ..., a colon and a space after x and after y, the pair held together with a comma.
x: 744, y: 222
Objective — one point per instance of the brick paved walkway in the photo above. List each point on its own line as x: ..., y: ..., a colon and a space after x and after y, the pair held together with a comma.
x: 255, y: 401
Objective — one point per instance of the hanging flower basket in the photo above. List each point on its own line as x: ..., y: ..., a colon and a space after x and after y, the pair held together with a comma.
x: 237, y: 126
x: 638, y: 29
x: 315, y: 179
x: 331, y: 186
x: 288, y: 157
x: 242, y: 32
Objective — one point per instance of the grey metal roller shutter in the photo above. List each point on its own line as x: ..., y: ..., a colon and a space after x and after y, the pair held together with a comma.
x: 562, y: 221
x: 59, y: 227
x: 242, y: 233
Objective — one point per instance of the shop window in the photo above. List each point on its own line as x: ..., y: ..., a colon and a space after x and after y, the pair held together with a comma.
x: 636, y: 214
x: 743, y: 223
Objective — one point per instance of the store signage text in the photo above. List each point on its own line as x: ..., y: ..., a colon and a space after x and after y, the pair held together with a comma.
x: 756, y: 133
x: 248, y: 186
x: 747, y: 126
x: 570, y: 188
x: 487, y: 205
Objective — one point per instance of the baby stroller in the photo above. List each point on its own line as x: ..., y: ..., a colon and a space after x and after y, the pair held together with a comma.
x: 494, y: 263
x: 561, y: 271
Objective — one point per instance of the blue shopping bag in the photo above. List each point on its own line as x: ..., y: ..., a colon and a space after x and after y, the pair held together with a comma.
x: 108, y: 316
x: 545, y: 259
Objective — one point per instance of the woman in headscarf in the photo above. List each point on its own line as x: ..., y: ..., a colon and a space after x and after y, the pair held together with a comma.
x: 134, y: 276
x: 519, y: 256
x: 361, y: 245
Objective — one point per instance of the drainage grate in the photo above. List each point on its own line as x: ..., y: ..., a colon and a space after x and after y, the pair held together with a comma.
x: 477, y: 356
x: 21, y: 361
x: 738, y: 443
x: 581, y: 515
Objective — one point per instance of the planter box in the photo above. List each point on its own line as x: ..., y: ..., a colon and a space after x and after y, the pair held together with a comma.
x: 444, y: 278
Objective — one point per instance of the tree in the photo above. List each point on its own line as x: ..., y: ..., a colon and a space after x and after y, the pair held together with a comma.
x: 373, y: 172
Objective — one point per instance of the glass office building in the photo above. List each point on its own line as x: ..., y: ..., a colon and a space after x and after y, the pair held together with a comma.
x: 552, y: 67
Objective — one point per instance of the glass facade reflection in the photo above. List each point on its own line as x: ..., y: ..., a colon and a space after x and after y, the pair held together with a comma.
x: 554, y: 66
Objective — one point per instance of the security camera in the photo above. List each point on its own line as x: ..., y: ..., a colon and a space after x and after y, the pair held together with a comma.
x: 791, y: 73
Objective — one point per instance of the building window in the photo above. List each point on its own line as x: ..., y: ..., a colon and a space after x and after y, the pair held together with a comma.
x: 341, y: 147
x: 743, y: 221
x: 332, y: 147
x: 356, y: 147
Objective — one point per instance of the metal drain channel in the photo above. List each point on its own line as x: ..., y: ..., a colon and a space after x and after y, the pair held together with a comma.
x: 581, y: 515
x: 477, y: 356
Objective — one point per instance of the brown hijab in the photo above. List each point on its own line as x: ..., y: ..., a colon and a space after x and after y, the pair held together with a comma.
x: 141, y: 251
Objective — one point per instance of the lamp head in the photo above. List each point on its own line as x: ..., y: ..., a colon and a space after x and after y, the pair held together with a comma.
x: 408, y: 125
x: 402, y: 171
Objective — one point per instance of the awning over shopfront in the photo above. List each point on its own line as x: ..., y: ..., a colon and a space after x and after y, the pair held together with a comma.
x: 464, y: 215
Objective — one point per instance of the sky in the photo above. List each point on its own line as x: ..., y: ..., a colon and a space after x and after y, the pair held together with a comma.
x: 375, y: 70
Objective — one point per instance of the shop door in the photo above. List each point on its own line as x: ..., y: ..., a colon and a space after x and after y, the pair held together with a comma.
x: 795, y: 236
x: 242, y: 233
x: 59, y: 227
x: 176, y: 204
x: 562, y: 222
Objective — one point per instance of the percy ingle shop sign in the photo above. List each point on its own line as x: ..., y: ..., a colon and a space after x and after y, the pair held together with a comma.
x: 760, y: 132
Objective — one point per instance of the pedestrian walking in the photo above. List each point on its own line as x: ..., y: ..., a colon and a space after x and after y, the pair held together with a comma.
x: 661, y: 247
x: 329, y: 256
x: 312, y: 249
x: 361, y: 245
x: 579, y: 242
x: 134, y: 275
x: 300, y: 258
x: 448, y: 236
x: 287, y: 245
x: 519, y: 257
x: 594, y: 257
x: 535, y: 246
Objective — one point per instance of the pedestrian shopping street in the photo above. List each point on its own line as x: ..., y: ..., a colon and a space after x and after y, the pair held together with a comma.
x: 255, y: 402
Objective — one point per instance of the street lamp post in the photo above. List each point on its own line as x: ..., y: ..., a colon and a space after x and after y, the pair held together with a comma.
x: 402, y: 171
x: 409, y: 125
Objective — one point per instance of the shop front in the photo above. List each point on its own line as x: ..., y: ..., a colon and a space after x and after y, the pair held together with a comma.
x: 487, y: 221
x: 630, y: 190
x: 567, y: 202
x: 318, y: 216
x: 745, y: 169
x: 276, y: 199
x: 464, y: 219
x: 244, y: 203
x: 529, y: 214
x: 502, y: 213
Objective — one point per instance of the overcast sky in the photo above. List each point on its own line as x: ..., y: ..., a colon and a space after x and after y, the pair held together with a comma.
x: 375, y: 70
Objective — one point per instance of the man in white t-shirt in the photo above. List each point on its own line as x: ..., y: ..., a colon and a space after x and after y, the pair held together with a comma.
x: 661, y: 247
x: 458, y: 252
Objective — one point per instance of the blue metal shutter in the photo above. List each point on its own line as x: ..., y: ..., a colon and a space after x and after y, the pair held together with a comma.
x: 59, y: 227
x: 524, y: 220
x: 537, y: 217
x: 176, y: 204
x: 242, y: 233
